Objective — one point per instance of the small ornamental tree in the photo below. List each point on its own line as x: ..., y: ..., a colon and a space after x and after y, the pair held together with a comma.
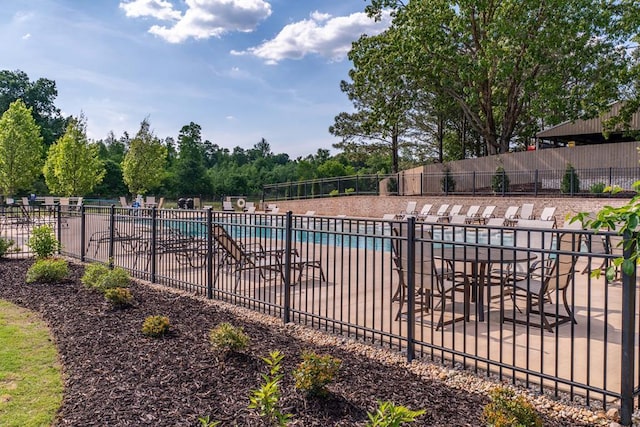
x: 143, y: 165
x: 500, y: 181
x: 20, y: 149
x: 72, y: 167
x: 570, y: 181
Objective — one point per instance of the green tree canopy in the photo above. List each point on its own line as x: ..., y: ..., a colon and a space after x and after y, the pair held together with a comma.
x: 511, y: 64
x: 189, y: 169
x: 73, y: 167
x: 39, y: 95
x: 143, y: 165
x: 20, y: 149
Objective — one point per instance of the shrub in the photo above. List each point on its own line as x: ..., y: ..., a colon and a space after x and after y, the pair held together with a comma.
x: 207, y: 422
x: 265, y: 399
x: 155, y: 326
x: 226, y: 337
x: 93, y: 274
x: 5, y: 246
x: 47, y: 270
x: 119, y: 297
x: 500, y: 181
x: 506, y: 410
x: 116, y: 278
x: 314, y: 373
x: 389, y: 415
x: 333, y: 193
x: 598, y: 188
x: 43, y: 241
x: 349, y: 190
x: 447, y: 182
x: 570, y: 182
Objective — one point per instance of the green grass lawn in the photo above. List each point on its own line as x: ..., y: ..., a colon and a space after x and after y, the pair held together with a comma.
x: 30, y: 375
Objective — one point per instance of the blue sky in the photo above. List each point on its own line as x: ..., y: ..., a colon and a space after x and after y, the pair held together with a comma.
x: 242, y: 69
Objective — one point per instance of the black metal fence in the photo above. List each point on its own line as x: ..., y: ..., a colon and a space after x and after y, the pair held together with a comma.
x: 574, y: 182
x: 465, y: 295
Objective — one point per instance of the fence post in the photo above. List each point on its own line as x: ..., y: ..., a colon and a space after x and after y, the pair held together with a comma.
x: 112, y: 233
x: 473, y: 184
x: 535, y: 183
x: 504, y: 190
x: 82, y: 232
x: 627, y: 375
x: 411, y: 285
x: 610, y: 180
x: 59, y: 228
x: 288, y: 235
x: 154, y: 236
x: 209, y: 253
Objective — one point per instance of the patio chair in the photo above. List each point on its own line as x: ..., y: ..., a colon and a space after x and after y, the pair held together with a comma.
x: 426, y: 210
x: 551, y: 274
x: 526, y: 211
x: 472, y: 213
x: 434, y: 283
x: 160, y: 203
x: 234, y: 256
x: 410, y: 210
x: 455, y: 210
x: 548, y: 214
x: 227, y: 206
x: 533, y: 235
x: 49, y: 204
x: 123, y: 202
x: 511, y: 215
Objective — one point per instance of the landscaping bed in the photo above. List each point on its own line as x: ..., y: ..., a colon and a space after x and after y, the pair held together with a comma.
x: 117, y: 376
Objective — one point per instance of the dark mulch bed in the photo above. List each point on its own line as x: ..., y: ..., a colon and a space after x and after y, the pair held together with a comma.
x: 116, y: 376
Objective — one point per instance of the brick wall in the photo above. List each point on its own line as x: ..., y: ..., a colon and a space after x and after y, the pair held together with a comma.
x: 377, y: 206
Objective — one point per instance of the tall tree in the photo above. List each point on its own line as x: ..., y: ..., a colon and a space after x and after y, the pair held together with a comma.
x: 39, y: 95
x: 73, y: 166
x: 190, y: 172
x: 20, y: 148
x: 509, y: 63
x: 143, y: 165
x: 382, y: 97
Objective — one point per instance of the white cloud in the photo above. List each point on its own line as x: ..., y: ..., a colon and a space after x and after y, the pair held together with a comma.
x: 26, y: 36
x: 321, y: 34
x: 202, y: 19
x: 158, y: 9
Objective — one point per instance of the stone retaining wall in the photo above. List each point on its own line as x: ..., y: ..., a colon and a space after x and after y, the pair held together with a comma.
x: 377, y: 206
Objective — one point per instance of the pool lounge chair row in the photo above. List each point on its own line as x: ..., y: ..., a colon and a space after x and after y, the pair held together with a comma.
x: 455, y: 215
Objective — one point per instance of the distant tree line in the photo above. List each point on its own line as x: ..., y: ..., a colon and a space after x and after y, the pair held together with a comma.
x: 44, y: 153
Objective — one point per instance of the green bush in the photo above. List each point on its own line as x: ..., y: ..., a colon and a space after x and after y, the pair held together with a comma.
x: 119, y: 297
x: 99, y: 276
x: 598, y: 188
x: 228, y: 338
x: 47, y: 270
x: 155, y: 326
x: 570, y: 182
x: 315, y: 372
x: 333, y: 193
x: 5, y: 246
x: 43, y: 241
x: 500, y: 181
x: 389, y: 415
x: 116, y: 278
x: 349, y: 190
x: 93, y: 274
x: 265, y: 399
x: 508, y: 410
